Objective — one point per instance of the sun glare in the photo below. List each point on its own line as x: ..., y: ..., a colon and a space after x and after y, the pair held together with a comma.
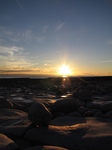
x: 64, y: 70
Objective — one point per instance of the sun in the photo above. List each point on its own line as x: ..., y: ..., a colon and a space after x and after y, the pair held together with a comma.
x: 64, y: 70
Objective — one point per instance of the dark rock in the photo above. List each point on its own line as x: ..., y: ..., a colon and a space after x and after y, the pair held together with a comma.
x: 93, y: 105
x: 74, y: 114
x: 98, y: 114
x: 7, y: 144
x: 90, y: 134
x: 5, y: 103
x: 14, y: 132
x: 85, y: 95
x: 65, y: 106
x: 90, y: 113
x: 39, y: 114
x: 23, y: 144
x: 91, y: 87
x: 81, y: 103
x: 67, y: 121
x: 10, y: 117
x: 106, y: 107
x: 108, y: 88
x: 58, y: 114
x: 108, y: 114
x: 46, y: 148
x: 75, y: 94
x: 82, y: 110
x: 59, y: 93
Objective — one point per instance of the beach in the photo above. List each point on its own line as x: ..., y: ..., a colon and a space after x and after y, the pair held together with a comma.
x: 56, y: 113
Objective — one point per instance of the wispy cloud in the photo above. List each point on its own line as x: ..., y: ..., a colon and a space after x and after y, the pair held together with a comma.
x: 45, y: 28
x: 40, y: 38
x: 14, y: 60
x: 9, y: 51
x: 59, y: 27
x: 12, y: 57
x: 18, y: 70
x: 8, y: 34
x: 27, y: 35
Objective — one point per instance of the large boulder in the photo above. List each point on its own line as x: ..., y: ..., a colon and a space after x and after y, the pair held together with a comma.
x: 65, y: 106
x: 39, y: 114
x: 7, y: 144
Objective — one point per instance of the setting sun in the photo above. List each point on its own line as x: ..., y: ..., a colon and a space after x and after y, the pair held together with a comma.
x: 64, y: 70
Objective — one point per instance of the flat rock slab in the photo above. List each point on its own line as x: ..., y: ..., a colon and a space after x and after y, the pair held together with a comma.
x: 10, y: 117
x: 90, y: 133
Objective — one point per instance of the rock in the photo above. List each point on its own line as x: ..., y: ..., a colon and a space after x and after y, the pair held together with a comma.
x: 47, y: 148
x: 39, y: 114
x: 90, y: 133
x: 85, y: 95
x: 23, y: 144
x: 109, y: 88
x: 58, y: 114
x: 14, y: 132
x: 81, y: 103
x: 75, y: 93
x: 95, y: 92
x: 65, y: 106
x: 7, y: 144
x: 98, y: 114
x: 82, y: 109
x: 74, y: 114
x: 106, y: 107
x: 5, y: 104
x: 93, y: 105
x: 10, y: 117
x: 91, y: 87
x: 108, y: 114
x: 67, y: 121
x: 90, y: 113
x: 59, y: 93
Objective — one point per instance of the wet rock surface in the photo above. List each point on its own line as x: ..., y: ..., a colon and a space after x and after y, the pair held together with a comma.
x: 52, y: 114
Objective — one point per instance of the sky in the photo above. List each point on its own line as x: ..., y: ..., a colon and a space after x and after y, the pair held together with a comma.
x: 38, y: 36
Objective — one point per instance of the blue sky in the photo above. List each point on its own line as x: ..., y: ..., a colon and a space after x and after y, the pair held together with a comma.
x: 38, y: 36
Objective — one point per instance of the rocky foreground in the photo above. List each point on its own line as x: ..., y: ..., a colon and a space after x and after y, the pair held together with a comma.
x: 56, y: 114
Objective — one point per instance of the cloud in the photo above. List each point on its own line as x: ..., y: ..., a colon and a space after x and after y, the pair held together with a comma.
x: 18, y: 70
x: 9, y: 51
x: 7, y: 34
x: 13, y: 57
x: 45, y: 28
x: 59, y: 27
x: 40, y: 39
